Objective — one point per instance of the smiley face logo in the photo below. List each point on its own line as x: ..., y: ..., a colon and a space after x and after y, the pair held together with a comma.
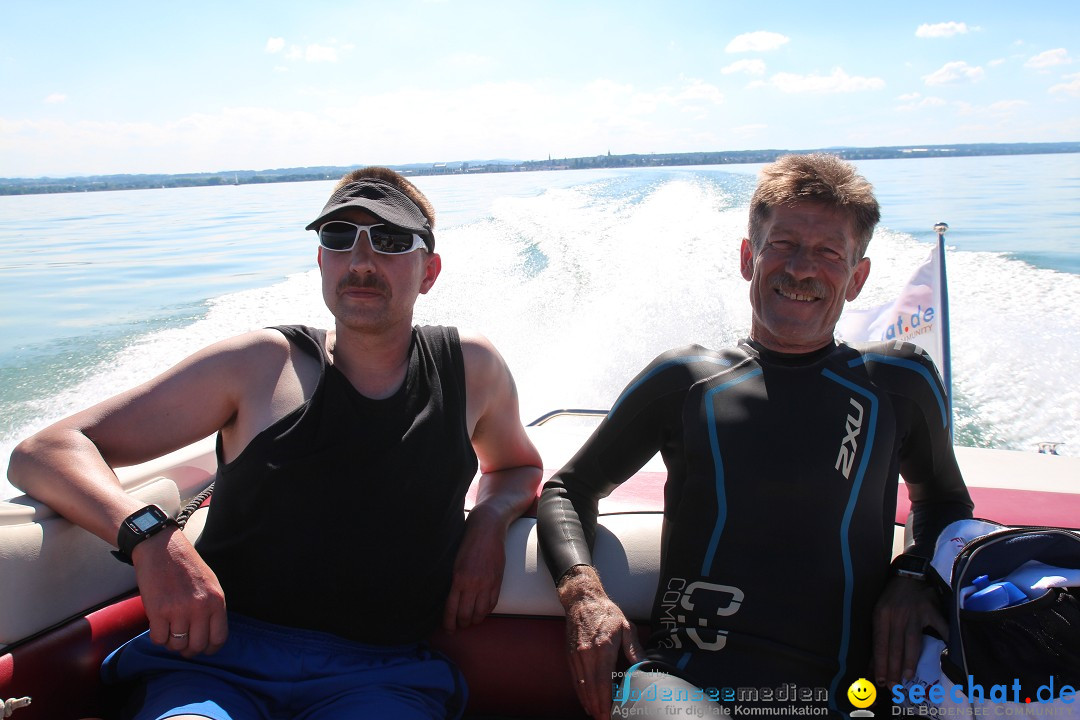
x: 862, y: 693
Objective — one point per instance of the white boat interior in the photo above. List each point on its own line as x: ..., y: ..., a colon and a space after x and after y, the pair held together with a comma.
x: 53, y: 573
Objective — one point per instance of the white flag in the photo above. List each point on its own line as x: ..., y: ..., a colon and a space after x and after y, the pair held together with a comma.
x: 915, y: 316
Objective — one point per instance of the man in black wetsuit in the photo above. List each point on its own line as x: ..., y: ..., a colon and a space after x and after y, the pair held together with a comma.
x: 783, y: 455
x: 337, y: 534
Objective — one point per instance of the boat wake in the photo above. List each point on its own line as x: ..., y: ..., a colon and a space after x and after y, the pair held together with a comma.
x: 580, y: 286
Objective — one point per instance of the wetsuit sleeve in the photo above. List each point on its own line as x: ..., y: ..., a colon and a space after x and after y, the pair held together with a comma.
x: 644, y: 420
x: 927, y: 462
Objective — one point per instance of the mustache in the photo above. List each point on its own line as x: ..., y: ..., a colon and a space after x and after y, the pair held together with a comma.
x: 808, y: 286
x: 363, y: 282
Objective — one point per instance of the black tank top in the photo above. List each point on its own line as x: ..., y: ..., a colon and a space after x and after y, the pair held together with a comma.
x: 345, y: 515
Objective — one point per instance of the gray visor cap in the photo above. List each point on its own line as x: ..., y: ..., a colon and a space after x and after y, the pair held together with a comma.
x: 382, y: 200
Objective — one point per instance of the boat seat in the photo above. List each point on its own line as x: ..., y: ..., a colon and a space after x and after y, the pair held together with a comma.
x: 515, y: 661
x: 52, y: 570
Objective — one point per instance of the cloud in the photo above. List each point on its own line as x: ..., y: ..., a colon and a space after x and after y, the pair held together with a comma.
x: 320, y: 53
x: 760, y: 41
x: 996, y: 62
x: 1002, y: 106
x: 1050, y: 58
x: 941, y: 30
x: 312, y: 53
x: 966, y: 108
x: 750, y: 67
x: 55, y: 98
x: 1072, y: 87
x: 1002, y: 109
x: 467, y: 60
x: 749, y: 131
x: 953, y: 73
x: 838, y: 82
x: 915, y: 101
x: 699, y: 90
x: 486, y: 120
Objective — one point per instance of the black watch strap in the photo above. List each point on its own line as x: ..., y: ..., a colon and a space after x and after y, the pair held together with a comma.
x: 910, y: 566
x: 138, y: 526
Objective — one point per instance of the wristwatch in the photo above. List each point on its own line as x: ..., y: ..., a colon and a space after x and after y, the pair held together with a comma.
x: 139, y: 526
x: 910, y: 566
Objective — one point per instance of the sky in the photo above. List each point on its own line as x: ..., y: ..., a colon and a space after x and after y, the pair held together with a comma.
x: 108, y: 86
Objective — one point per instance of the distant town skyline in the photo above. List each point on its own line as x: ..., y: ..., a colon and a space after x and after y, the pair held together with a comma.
x: 128, y: 87
x: 88, y: 183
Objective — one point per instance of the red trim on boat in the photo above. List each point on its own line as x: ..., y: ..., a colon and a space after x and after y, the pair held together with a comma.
x: 531, y: 680
x: 1009, y: 506
x: 59, y: 671
x: 644, y: 492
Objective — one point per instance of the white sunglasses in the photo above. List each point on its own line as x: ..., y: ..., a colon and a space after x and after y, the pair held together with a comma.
x: 341, y: 236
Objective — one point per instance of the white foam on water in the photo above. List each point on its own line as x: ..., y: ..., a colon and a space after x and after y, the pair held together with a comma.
x: 580, y: 287
x: 1015, y: 337
x: 295, y: 300
x: 579, y: 294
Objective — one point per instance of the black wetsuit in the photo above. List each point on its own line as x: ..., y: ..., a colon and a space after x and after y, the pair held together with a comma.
x: 345, y: 515
x: 779, y: 504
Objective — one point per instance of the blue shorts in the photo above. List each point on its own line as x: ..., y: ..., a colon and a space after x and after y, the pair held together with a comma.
x: 270, y: 671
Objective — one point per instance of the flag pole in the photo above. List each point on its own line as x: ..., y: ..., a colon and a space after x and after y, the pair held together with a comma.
x: 946, y: 352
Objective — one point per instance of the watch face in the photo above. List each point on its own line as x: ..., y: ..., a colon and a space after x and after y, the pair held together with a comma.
x: 137, y: 527
x: 145, y: 521
x: 148, y: 520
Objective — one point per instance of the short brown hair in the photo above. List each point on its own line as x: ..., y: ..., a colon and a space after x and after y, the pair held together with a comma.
x: 375, y: 172
x: 819, y: 178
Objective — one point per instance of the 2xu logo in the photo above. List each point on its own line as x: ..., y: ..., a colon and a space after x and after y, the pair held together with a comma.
x: 846, y: 458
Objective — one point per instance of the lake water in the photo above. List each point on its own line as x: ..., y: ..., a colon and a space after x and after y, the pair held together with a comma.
x: 579, y: 277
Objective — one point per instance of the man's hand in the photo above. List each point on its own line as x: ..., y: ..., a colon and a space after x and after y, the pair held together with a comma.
x: 596, y: 630
x: 478, y: 570
x: 903, y: 610
x: 181, y: 594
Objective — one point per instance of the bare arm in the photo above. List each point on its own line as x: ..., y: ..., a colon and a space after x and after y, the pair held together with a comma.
x: 69, y: 467
x: 511, y: 470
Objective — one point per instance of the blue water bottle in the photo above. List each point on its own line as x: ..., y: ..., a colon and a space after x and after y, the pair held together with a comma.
x: 993, y: 596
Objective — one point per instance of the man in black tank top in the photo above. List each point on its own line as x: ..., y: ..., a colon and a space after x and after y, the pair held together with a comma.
x: 337, y: 536
x: 783, y: 455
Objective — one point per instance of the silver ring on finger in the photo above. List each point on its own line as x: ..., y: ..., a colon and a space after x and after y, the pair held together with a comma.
x: 178, y: 636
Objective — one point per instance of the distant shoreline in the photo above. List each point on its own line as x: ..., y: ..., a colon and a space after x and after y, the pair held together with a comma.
x: 98, y: 183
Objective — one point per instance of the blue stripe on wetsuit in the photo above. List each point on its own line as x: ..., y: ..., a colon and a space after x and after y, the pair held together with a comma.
x: 910, y: 365
x: 718, y: 468
x: 721, y: 493
x: 724, y: 362
x: 664, y: 366
x: 845, y: 526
